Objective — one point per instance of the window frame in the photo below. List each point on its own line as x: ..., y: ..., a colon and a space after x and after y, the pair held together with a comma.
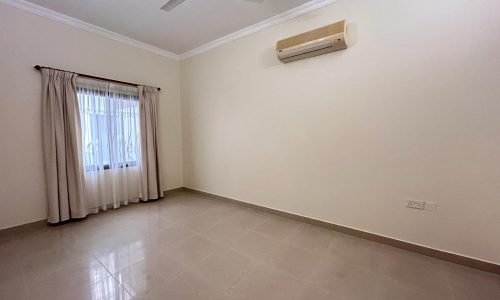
x: 122, y: 164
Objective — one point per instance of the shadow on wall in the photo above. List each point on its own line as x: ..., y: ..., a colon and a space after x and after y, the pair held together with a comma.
x: 351, y: 34
x: 268, y: 57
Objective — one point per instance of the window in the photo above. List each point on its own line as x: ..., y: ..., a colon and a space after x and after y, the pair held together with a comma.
x: 109, y: 116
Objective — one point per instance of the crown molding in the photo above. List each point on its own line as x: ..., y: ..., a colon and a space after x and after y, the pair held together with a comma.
x: 45, y: 12
x: 277, y: 19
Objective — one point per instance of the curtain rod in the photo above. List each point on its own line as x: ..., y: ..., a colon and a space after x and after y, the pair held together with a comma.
x: 38, y: 67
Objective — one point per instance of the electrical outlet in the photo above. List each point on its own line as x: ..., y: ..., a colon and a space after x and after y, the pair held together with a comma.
x: 431, y: 206
x: 417, y: 204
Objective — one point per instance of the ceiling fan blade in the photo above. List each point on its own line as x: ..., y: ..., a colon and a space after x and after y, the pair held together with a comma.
x: 171, y: 4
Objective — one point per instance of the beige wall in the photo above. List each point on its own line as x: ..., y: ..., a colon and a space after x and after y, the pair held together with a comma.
x: 411, y: 110
x: 27, y: 40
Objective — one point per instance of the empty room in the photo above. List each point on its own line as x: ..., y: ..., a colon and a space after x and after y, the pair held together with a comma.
x: 250, y: 149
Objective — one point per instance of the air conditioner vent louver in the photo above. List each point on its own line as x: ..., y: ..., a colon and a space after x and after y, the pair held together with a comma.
x: 312, y: 43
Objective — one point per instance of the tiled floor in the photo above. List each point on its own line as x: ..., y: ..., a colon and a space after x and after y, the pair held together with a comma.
x: 192, y: 247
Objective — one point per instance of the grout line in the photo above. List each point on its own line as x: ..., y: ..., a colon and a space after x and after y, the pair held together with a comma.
x: 113, y: 275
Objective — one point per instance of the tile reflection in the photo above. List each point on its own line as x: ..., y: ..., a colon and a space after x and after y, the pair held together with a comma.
x: 106, y: 289
x: 114, y: 260
x: 123, y: 256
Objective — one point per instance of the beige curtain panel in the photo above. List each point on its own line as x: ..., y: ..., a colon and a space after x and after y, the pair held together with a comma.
x: 61, y: 146
x: 150, y: 164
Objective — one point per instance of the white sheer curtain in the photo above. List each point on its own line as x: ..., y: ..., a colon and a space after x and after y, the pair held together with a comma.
x: 110, y: 143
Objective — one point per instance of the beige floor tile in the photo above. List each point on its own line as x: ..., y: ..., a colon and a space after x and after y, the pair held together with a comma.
x: 311, y: 237
x: 278, y: 227
x: 9, y: 248
x: 108, y: 244
x: 155, y: 224
x: 10, y: 266
x: 193, y: 250
x: 14, y: 288
x: 7, y: 235
x: 171, y: 237
x: 296, y: 261
x: 223, y: 232
x: 125, y: 255
x: 221, y: 211
x: 314, y: 292
x: 467, y: 283
x: 39, y: 241
x: 149, y: 273
x: 95, y: 228
x: 246, y: 218
x: 72, y: 277
x: 177, y: 214
x: 255, y: 245
x: 106, y: 289
x: 359, y: 252
x: 47, y: 263
x: 202, y: 222
x: 344, y: 280
x: 187, y: 286
x: 416, y: 270
x: 388, y: 288
x: 266, y: 282
x: 197, y: 205
x: 223, y: 268
x: 51, y: 238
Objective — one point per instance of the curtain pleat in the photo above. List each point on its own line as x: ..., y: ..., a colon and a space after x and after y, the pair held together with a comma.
x: 150, y: 163
x: 62, y: 146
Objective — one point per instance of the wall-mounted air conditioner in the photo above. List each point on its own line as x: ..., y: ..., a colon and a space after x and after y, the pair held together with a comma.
x: 312, y: 43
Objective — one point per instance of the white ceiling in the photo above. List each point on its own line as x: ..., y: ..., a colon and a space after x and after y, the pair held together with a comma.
x: 188, y: 26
